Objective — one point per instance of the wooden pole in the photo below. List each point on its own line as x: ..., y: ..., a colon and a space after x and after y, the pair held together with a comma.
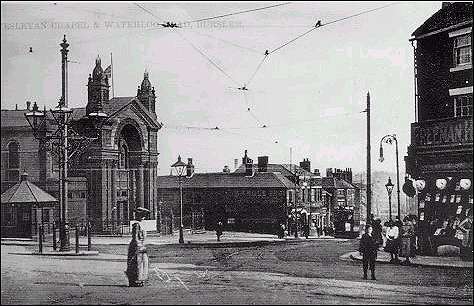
x: 369, y: 178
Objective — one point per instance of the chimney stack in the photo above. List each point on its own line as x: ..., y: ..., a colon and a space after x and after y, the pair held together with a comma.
x: 248, y: 164
x: 262, y: 163
x: 236, y: 163
x: 189, y: 168
x: 329, y: 172
x: 28, y: 104
x: 316, y: 172
x: 306, y: 164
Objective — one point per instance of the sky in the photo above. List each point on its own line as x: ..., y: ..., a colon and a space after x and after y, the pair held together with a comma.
x: 309, y: 94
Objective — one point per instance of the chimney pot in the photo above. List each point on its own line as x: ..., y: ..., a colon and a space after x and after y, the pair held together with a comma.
x: 28, y: 104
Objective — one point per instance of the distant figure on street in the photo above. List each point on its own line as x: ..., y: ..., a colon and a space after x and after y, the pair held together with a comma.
x: 219, y: 229
x: 465, y: 227
x: 306, y: 230
x: 377, y: 233
x: 281, y: 231
x: 368, y: 249
x: 407, y: 248
x: 137, y: 259
x: 392, y: 242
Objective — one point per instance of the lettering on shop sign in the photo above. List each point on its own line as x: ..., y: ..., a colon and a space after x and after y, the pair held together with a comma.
x: 457, y: 131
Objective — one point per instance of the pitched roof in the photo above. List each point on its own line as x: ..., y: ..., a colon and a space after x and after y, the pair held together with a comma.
x: 285, y: 169
x: 450, y: 15
x: 227, y: 180
x: 26, y: 192
x: 16, y: 118
x: 13, y: 118
x: 332, y: 182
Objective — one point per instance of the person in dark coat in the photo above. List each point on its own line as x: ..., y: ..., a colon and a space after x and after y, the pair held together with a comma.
x: 137, y: 258
x: 368, y: 249
x: 219, y: 229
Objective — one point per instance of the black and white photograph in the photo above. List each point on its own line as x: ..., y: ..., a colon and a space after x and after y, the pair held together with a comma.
x: 236, y: 152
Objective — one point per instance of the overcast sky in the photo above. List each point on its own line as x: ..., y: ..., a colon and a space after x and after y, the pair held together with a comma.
x: 309, y: 93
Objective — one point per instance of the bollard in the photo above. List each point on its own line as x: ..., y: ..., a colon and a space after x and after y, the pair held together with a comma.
x: 40, y: 239
x: 54, y: 236
x: 77, y: 239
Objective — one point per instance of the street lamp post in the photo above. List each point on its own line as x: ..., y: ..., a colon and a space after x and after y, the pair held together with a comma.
x: 390, y: 139
x: 180, y: 168
x: 389, y: 187
x: 61, y: 115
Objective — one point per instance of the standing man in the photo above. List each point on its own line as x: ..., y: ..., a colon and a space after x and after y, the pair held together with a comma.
x: 368, y: 249
x: 219, y: 229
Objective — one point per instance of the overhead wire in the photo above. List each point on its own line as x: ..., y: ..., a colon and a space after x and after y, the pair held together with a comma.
x: 269, y: 126
x: 256, y: 70
x: 232, y: 14
x: 328, y: 23
x: 148, y: 11
x: 207, y: 57
x: 226, y: 41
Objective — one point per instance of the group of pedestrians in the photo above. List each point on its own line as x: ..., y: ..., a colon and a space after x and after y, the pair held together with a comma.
x: 400, y: 241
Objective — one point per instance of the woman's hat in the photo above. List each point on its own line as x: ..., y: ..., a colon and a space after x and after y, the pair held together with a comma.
x: 142, y: 210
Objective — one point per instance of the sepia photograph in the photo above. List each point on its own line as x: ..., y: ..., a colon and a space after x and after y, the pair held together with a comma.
x: 236, y: 152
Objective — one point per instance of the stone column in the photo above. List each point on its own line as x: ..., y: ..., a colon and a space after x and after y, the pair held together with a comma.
x: 140, y: 185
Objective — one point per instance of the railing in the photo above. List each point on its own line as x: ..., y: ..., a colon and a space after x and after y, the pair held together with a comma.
x: 450, y: 131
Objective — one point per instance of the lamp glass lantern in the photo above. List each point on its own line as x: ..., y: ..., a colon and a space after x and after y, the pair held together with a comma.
x: 179, y: 166
x: 389, y: 187
x: 62, y: 114
x: 36, y: 119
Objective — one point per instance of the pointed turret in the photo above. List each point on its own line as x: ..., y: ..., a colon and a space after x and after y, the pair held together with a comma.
x: 98, y: 89
x: 146, y: 93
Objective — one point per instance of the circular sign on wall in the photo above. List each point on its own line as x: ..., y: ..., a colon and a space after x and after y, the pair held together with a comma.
x: 420, y: 185
x: 465, y: 184
x: 441, y: 184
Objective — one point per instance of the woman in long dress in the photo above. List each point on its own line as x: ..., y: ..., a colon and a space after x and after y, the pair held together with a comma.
x: 137, y: 259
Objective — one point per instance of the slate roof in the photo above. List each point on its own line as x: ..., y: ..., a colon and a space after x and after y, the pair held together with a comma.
x: 447, y: 16
x: 26, y: 192
x: 285, y: 169
x: 16, y: 118
x: 227, y: 180
x: 332, y: 182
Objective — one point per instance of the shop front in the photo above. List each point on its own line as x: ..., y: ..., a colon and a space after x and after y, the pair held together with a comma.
x: 445, y: 214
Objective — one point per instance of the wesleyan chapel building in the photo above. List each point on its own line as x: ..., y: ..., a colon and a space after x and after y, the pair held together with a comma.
x: 113, y: 174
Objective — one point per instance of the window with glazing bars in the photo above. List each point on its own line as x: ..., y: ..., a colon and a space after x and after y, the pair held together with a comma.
x: 463, y: 105
x: 462, y: 50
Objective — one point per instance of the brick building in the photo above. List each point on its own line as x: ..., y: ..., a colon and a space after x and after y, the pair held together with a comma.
x: 331, y: 201
x: 255, y: 200
x: 440, y: 154
x: 114, y: 174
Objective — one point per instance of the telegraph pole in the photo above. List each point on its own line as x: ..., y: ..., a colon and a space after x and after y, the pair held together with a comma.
x: 369, y: 179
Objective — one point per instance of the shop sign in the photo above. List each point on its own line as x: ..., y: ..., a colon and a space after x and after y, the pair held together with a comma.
x: 443, y: 132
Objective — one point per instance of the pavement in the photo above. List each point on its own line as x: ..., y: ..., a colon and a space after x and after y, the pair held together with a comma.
x: 228, y: 239
x: 427, y: 261
x: 196, y: 239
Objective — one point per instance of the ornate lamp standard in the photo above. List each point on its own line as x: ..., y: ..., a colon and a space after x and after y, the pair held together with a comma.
x: 62, y: 115
x: 390, y: 139
x: 180, y: 168
x: 389, y: 187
